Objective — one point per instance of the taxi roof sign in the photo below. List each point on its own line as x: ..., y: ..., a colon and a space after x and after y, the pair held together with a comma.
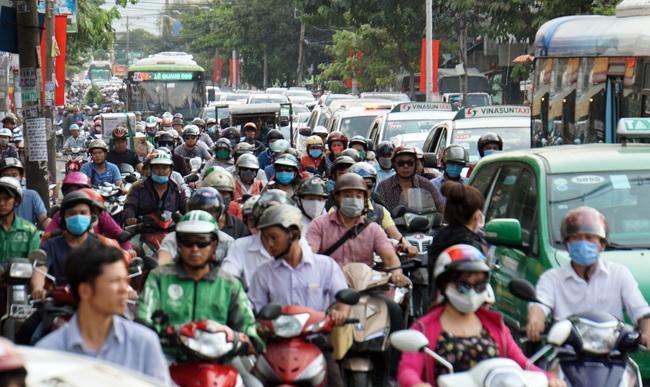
x: 633, y: 128
x: 493, y: 111
x: 420, y: 106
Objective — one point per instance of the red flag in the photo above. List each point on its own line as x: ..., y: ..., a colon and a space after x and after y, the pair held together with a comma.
x: 435, y: 49
x: 60, y: 34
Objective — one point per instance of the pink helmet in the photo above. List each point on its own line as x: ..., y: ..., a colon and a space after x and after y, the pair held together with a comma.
x: 75, y: 178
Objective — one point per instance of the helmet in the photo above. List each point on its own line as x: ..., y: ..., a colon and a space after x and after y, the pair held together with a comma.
x: 198, y: 122
x: 167, y: 115
x: 359, y: 140
x: 10, y: 359
x: 350, y: 182
x: 455, y: 153
x: 209, y: 121
x: 220, y: 179
x: 458, y: 258
x: 312, y: 186
x: 162, y: 149
x: 249, y: 204
x: 97, y: 144
x: 177, y: 121
x: 320, y: 131
x: 488, y: 138
x: 249, y: 125
x: 385, y: 149
x: 206, y: 199
x: 247, y: 161
x: 6, y: 132
x: 161, y: 159
x: 151, y: 121
x: 159, y: 133
x: 190, y: 130
x: 74, y: 127
x: 223, y: 143
x: 167, y: 121
x: 139, y: 128
x: 11, y: 162
x: 120, y: 132
x: 243, y: 148
x: 12, y: 185
x: 197, y: 222
x: 75, y: 178
x: 283, y: 215
x: 87, y: 107
x: 269, y: 198
x: 341, y: 162
x: 585, y: 220
x: 279, y: 146
x: 178, y: 115
x: 73, y: 198
x: 314, y: 141
x: 364, y: 170
x: 231, y: 134
x: 138, y: 113
x: 291, y: 151
x: 274, y: 134
x: 337, y: 136
x: 165, y: 137
x: 404, y: 150
x: 286, y: 159
x: 353, y: 154
x: 96, y: 197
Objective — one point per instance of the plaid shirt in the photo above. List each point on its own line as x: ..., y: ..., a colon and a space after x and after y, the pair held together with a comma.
x: 9, y: 151
x: 390, y: 191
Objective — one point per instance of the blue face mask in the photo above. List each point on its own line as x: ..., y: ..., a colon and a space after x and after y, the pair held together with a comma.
x: 77, y: 224
x: 284, y: 178
x: 159, y: 179
x: 489, y: 152
x: 584, y: 253
x: 212, y: 130
x: 315, y: 153
x: 233, y: 142
x: 454, y: 170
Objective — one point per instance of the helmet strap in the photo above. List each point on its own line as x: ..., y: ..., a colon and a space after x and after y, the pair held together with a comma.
x: 292, y: 238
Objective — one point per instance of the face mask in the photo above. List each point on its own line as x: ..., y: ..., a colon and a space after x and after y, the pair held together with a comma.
x: 223, y: 154
x: 4, y: 141
x: 284, y: 178
x: 159, y: 179
x: 226, y: 202
x: 233, y: 142
x: 351, y: 207
x: 489, y: 152
x: 212, y: 130
x: 151, y: 132
x: 454, y: 170
x: 466, y: 303
x: 363, y: 155
x: 77, y: 224
x: 313, y: 208
x: 315, y: 153
x: 337, y: 149
x: 386, y: 162
x: 248, y: 175
x: 584, y: 253
x: 480, y: 225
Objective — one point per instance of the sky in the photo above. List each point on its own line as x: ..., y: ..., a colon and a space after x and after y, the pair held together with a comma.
x: 145, y: 14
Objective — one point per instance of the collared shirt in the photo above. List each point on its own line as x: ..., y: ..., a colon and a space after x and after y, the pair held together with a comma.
x: 111, y: 173
x: 19, y: 241
x: 31, y: 206
x: 312, y: 284
x: 440, y: 180
x: 79, y: 142
x: 170, y: 245
x: 610, y: 287
x: 390, y: 191
x: 382, y: 175
x: 128, y: 344
x: 326, y: 230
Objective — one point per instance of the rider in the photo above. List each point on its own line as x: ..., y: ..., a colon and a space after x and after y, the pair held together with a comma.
x: 276, y: 148
x: 211, y: 128
x: 177, y: 125
x: 222, y: 153
x: 390, y: 189
x: 151, y: 125
x: 190, y: 149
x: 120, y: 154
x: 454, y: 159
x: 337, y: 142
x: 156, y: 193
x: 100, y: 170
x: 311, y: 195
x: 287, y: 174
x: 247, y: 168
x: 18, y: 237
x: 166, y: 140
x: 74, y: 141
x: 297, y: 276
x: 230, y: 222
x: 587, y: 283
x: 338, y: 167
x: 31, y: 208
x: 266, y: 157
x: 250, y: 129
x: 6, y: 149
x: 262, y: 131
x: 231, y: 134
x: 315, y: 155
x: 321, y: 132
x: 487, y: 144
x: 361, y: 145
x: 195, y: 288
x: 384, y: 165
x: 96, y: 129
x: 203, y: 137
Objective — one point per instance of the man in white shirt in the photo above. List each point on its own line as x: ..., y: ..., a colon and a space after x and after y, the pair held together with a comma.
x: 587, y: 283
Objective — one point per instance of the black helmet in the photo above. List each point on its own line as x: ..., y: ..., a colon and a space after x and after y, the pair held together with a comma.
x: 488, y: 138
x: 274, y: 134
x: 342, y: 161
x: 231, y: 134
x: 165, y: 137
x: 72, y: 199
x: 455, y: 153
x: 353, y: 154
x: 385, y: 149
x: 312, y: 186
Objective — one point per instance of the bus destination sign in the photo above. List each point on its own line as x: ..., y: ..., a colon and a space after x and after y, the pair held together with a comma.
x: 162, y: 76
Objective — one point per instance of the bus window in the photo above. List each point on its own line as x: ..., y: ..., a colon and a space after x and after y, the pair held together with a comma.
x: 541, y: 102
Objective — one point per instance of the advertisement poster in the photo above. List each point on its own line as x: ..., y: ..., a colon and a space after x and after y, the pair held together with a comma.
x: 63, y: 7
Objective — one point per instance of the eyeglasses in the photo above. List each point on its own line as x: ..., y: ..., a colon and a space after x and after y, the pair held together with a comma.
x: 166, y: 144
x: 190, y: 137
x: 464, y: 287
x: 201, y: 243
x: 402, y: 163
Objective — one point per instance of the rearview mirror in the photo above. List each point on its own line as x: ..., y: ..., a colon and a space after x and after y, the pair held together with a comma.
x: 348, y: 296
x: 503, y: 232
x: 523, y: 290
x: 270, y: 311
x: 122, y: 237
x: 398, y: 212
x: 311, y: 169
x: 136, y: 265
x: 192, y: 178
x: 430, y: 160
x: 305, y: 131
x: 130, y: 178
x: 284, y: 121
x: 371, y: 144
x: 409, y: 340
x: 39, y: 256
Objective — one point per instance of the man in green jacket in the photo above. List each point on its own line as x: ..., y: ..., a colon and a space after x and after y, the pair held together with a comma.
x: 194, y: 288
x: 18, y: 237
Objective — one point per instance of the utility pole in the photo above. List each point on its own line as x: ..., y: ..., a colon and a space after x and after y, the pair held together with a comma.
x: 4, y: 80
x: 31, y: 91
x: 429, y: 46
x: 266, y: 72
x: 128, y: 42
x: 300, y: 54
x: 234, y: 70
x: 50, y: 82
x: 217, y: 55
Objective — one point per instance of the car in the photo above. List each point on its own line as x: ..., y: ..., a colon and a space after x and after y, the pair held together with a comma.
x: 528, y: 192
x: 299, y: 96
x: 276, y: 90
x: 317, y: 116
x: 353, y: 122
x: 234, y: 97
x: 327, y: 99
x: 395, y: 97
x: 266, y: 98
x: 412, y: 139
x: 211, y: 110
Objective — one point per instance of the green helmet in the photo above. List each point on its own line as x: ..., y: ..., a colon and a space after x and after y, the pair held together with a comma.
x: 220, y: 179
x: 197, y: 222
x: 162, y: 158
x: 151, y: 121
x: 312, y: 186
x: 283, y: 215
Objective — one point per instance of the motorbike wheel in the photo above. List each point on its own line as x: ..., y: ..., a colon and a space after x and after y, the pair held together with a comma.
x: 360, y: 379
x: 10, y: 328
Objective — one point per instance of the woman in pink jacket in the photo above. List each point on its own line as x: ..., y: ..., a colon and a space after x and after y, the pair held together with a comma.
x: 461, y: 329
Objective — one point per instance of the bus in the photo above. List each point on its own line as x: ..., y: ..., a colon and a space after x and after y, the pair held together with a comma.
x: 166, y: 82
x: 590, y: 71
x: 99, y: 71
x: 449, y: 82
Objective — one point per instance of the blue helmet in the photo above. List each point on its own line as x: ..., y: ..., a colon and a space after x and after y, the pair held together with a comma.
x: 206, y: 199
x: 364, y: 170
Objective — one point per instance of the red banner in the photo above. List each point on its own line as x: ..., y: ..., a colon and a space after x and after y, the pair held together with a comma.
x: 60, y: 34
x: 218, y: 63
x: 435, y: 49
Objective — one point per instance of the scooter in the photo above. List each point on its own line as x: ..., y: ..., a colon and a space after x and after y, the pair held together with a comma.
x: 292, y: 358
x: 493, y: 372
x: 149, y: 232
x: 14, y: 280
x: 76, y: 159
x: 113, y: 199
x: 589, y: 349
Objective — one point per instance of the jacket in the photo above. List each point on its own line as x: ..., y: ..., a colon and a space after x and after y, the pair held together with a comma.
x: 412, y: 368
x: 143, y: 199
x: 106, y: 226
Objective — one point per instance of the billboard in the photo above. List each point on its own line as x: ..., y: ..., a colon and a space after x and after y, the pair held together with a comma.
x: 63, y: 7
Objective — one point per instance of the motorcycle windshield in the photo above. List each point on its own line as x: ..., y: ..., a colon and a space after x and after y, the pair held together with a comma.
x: 125, y: 168
x: 417, y: 200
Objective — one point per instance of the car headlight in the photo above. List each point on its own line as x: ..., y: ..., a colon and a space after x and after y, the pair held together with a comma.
x: 409, y: 216
x: 289, y: 325
x: 21, y: 270
x: 597, y: 338
x: 210, y: 345
x: 505, y: 378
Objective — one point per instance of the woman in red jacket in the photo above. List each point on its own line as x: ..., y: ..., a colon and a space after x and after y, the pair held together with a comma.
x: 460, y: 328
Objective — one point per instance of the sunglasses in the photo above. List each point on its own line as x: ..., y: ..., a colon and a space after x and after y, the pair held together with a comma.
x: 284, y: 169
x: 370, y: 186
x: 201, y: 243
x: 464, y: 287
x: 402, y: 163
x: 166, y: 143
x: 190, y: 137
x: 248, y: 170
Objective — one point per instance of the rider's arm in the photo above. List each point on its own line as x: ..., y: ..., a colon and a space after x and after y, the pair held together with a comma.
x: 54, y: 224
x: 389, y: 258
x: 167, y: 249
x: 241, y: 317
x: 109, y: 228
x: 149, y: 300
x: 314, y: 235
x: 537, y: 312
x: 233, y: 263
x: 42, y: 221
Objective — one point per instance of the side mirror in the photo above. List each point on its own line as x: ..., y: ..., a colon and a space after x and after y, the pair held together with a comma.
x: 284, y: 121
x: 348, y: 296
x: 409, y: 340
x: 192, y: 178
x: 130, y: 179
x: 224, y: 121
x: 503, y: 232
x: 270, y: 311
x: 311, y: 169
x: 177, y: 217
x: 122, y: 237
x: 371, y: 144
x: 398, y: 212
x: 430, y: 160
x: 305, y: 131
x: 523, y: 290
x: 136, y: 265
x: 37, y: 257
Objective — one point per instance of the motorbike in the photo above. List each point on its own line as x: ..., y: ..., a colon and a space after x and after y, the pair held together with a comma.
x: 129, y: 175
x: 15, y: 274
x: 587, y: 349
x: 195, y: 164
x: 149, y: 232
x: 292, y: 358
x: 113, y: 199
x: 76, y: 158
x: 495, y: 372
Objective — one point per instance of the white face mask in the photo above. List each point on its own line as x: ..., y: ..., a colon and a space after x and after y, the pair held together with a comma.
x: 313, y: 208
x: 470, y: 302
x: 481, y: 223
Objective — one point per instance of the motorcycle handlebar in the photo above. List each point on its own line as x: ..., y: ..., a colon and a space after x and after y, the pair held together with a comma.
x: 351, y: 321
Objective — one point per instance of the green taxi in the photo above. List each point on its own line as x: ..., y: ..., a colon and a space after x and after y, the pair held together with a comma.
x: 528, y: 192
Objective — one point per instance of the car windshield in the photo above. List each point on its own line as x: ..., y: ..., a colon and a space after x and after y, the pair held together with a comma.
x: 394, y: 128
x: 617, y: 195
x: 210, y: 113
x: 356, y: 126
x: 299, y: 93
x: 513, y: 139
x: 233, y: 97
x: 267, y: 99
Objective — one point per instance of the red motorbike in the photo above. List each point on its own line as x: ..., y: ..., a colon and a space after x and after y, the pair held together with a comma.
x: 292, y: 358
x: 76, y: 159
x: 150, y: 231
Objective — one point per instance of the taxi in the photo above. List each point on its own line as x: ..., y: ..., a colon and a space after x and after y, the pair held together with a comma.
x: 528, y: 192
x: 408, y: 117
x: 511, y: 122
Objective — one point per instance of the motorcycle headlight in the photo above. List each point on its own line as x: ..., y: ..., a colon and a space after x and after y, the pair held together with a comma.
x: 21, y: 270
x: 316, y: 327
x: 210, y: 345
x: 505, y: 378
x: 597, y: 338
x: 290, y: 325
x: 409, y: 216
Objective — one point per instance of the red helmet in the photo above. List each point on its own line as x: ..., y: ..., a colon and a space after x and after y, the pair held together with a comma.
x: 404, y: 150
x: 584, y: 220
x: 75, y: 178
x: 337, y: 136
x: 120, y: 132
x: 10, y: 359
x: 98, y: 200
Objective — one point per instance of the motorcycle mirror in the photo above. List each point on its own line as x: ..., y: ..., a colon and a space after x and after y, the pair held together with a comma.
x: 195, y: 163
x: 420, y: 223
x: 523, y: 290
x: 304, y: 131
x: 409, y: 340
x: 130, y: 179
x: 348, y: 296
x: 176, y: 217
x: 560, y: 332
x: 411, y: 264
x: 136, y: 265
x: 192, y: 178
x: 122, y: 237
x: 398, y: 212
x: 37, y: 257
x: 270, y: 311
x: 311, y: 169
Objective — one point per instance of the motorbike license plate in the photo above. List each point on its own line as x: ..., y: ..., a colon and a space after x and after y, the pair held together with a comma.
x: 21, y: 311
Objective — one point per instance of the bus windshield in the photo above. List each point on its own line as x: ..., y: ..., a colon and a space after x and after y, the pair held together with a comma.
x: 183, y: 97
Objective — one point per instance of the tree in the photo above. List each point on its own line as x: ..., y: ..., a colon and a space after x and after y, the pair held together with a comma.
x: 140, y: 40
